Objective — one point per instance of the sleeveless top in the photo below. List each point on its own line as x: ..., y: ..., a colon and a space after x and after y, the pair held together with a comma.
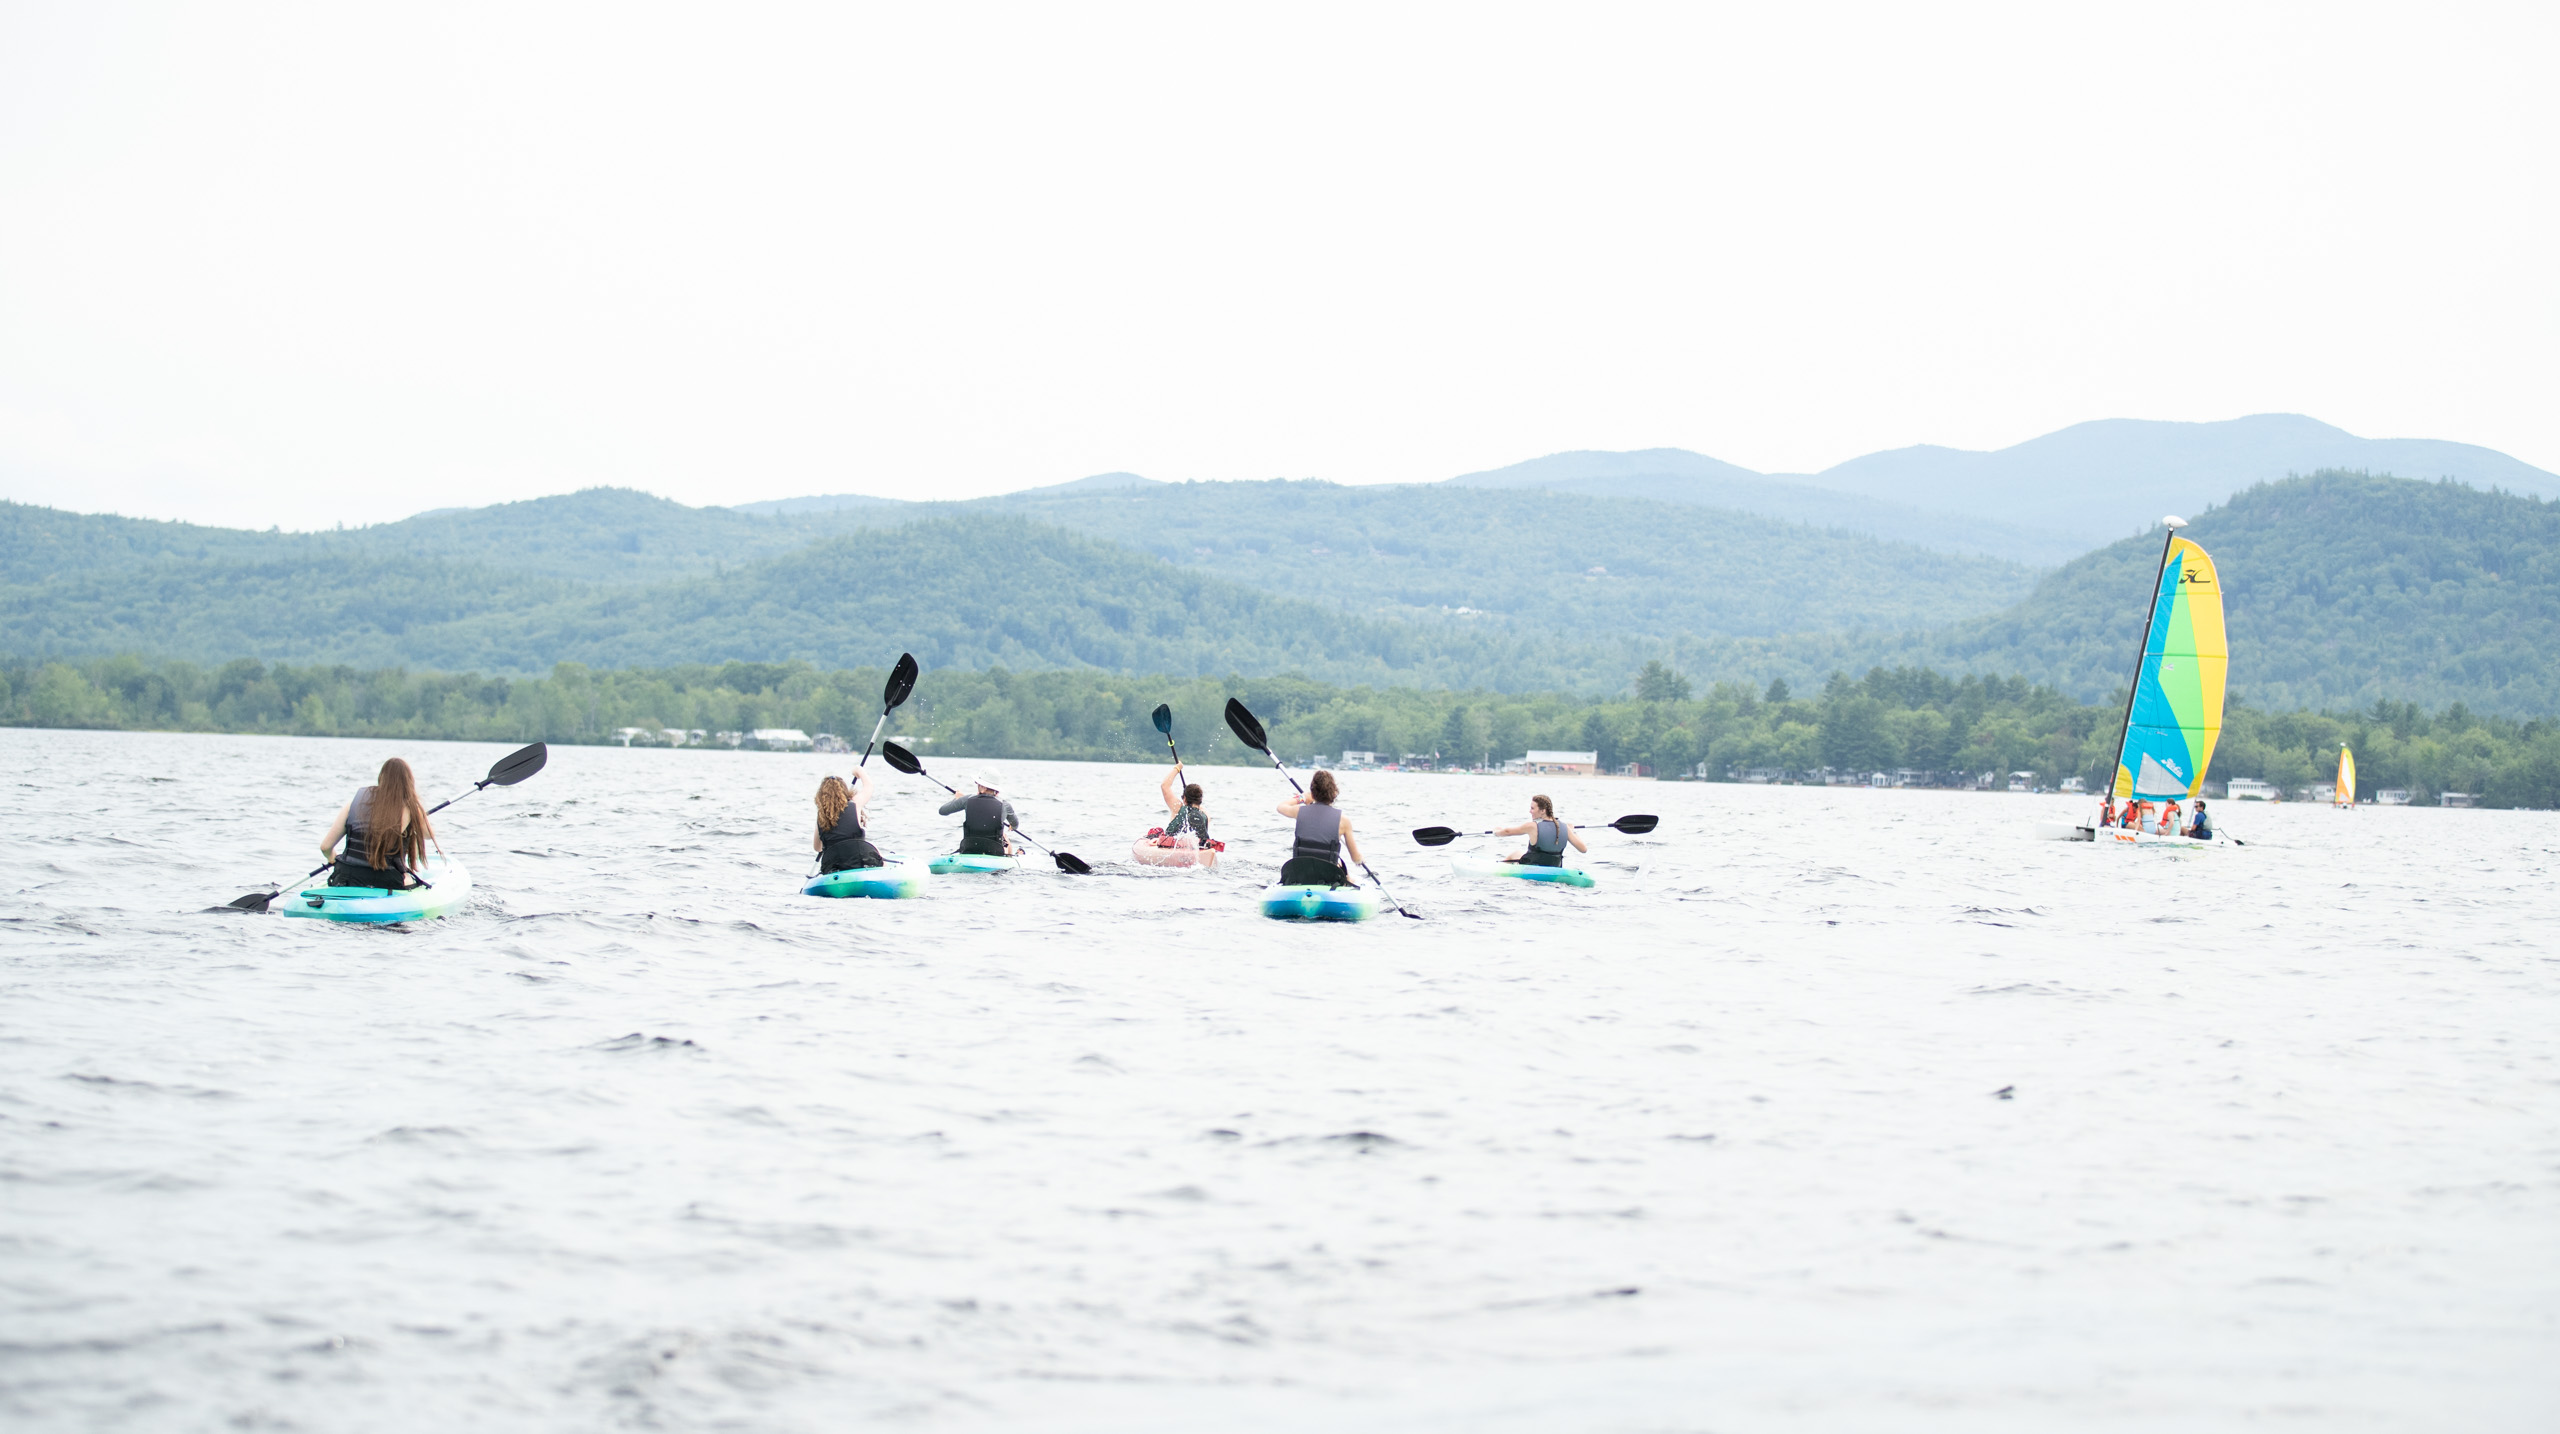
x: 983, y: 817
x: 1190, y: 819
x: 1319, y: 833
x: 1549, y: 837
x: 357, y: 851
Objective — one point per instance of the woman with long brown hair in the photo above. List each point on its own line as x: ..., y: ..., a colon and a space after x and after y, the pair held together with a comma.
x: 386, y: 831
x: 841, y: 844
x: 1323, y: 835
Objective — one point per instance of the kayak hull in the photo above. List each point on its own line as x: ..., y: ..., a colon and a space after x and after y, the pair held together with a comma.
x: 896, y: 881
x: 958, y: 863
x: 1472, y: 866
x: 449, y: 888
x: 1185, y: 852
x: 1321, y: 903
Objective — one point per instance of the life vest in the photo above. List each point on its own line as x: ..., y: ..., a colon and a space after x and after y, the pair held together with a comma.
x: 844, y: 842
x: 1319, y: 833
x: 1546, y: 844
x: 359, y: 848
x: 1192, y: 820
x: 982, y: 826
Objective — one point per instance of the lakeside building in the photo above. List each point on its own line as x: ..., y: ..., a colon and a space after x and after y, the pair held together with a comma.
x: 1538, y: 763
x: 2250, y: 789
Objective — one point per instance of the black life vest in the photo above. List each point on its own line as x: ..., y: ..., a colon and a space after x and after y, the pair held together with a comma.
x: 358, y: 852
x: 1319, y: 833
x: 982, y: 826
x: 1192, y: 820
x: 845, y: 845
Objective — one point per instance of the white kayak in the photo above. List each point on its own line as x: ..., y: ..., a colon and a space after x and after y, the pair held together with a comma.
x: 2117, y: 836
x: 447, y: 886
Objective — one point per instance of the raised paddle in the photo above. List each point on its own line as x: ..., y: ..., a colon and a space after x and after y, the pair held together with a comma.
x: 905, y: 761
x: 1164, y: 724
x: 902, y: 683
x: 1248, y: 730
x: 1442, y: 836
x: 510, y: 769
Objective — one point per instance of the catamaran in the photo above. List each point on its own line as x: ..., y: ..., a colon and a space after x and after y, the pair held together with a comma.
x: 2173, y: 715
x: 2345, y: 795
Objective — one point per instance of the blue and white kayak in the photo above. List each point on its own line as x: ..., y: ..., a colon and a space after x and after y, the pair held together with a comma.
x: 449, y: 885
x: 953, y: 862
x: 898, y: 879
x: 1481, y: 866
x: 1321, y: 903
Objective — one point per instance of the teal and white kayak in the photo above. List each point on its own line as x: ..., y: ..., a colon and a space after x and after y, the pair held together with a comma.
x: 1477, y: 866
x: 952, y: 862
x: 899, y: 879
x: 1321, y: 903
x: 449, y: 887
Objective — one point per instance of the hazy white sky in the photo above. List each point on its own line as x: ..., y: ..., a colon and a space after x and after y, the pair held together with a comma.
x: 273, y: 264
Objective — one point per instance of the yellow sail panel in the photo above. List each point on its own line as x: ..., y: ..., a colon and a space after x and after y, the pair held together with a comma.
x: 2345, y: 796
x: 2177, y: 697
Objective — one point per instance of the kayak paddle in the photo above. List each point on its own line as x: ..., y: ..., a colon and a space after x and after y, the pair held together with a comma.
x: 1442, y: 836
x: 508, y: 770
x: 1164, y: 724
x: 1248, y: 730
x: 905, y: 761
x: 1390, y: 896
x: 902, y: 683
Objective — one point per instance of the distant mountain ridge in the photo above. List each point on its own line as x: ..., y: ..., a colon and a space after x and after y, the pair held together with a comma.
x: 2037, y: 501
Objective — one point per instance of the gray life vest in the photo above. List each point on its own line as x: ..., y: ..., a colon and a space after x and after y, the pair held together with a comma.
x: 1319, y: 833
x: 983, y: 817
x: 1550, y: 836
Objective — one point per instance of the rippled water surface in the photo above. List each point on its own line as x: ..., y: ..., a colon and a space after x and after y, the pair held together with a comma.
x: 1830, y: 1110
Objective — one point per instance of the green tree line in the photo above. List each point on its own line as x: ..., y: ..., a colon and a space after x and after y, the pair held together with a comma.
x: 1945, y: 728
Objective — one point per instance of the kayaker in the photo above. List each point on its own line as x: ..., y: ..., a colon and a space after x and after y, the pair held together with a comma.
x: 1547, y: 836
x: 386, y: 831
x: 842, y: 813
x: 985, y: 818
x: 1188, y: 817
x: 1324, y: 834
x: 2202, y: 830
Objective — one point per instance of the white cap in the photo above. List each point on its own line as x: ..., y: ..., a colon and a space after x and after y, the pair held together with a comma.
x: 985, y: 782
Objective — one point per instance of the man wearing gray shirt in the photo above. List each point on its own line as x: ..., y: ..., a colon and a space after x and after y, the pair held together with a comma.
x: 985, y: 818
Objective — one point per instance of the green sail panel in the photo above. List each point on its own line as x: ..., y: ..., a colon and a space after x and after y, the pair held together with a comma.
x: 2177, y: 699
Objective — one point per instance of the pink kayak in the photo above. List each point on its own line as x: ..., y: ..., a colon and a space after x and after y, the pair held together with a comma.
x: 1184, y: 851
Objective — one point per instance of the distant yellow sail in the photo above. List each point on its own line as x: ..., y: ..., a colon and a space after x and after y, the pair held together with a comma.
x: 2346, y: 793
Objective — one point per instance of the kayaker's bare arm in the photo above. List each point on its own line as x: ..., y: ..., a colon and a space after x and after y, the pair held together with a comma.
x: 337, y: 831
x: 1289, y: 808
x: 1516, y: 831
x: 1574, y: 837
x: 1351, y: 844
x: 1173, y: 789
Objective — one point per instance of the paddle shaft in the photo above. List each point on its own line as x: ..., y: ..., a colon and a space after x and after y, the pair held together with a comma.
x: 1389, y: 895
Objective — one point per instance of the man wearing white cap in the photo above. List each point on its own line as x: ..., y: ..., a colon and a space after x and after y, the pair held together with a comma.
x: 985, y: 818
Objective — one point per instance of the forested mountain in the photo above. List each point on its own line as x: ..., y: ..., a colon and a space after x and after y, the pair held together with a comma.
x: 1576, y: 567
x: 2039, y: 501
x: 2339, y: 588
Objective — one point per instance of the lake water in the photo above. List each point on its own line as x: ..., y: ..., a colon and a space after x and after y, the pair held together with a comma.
x: 645, y: 1139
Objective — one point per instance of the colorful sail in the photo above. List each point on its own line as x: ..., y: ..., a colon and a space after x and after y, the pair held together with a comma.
x: 2346, y: 793
x: 2177, y: 699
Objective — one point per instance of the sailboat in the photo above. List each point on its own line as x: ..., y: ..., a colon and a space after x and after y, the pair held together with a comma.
x: 2173, y: 716
x: 2345, y: 796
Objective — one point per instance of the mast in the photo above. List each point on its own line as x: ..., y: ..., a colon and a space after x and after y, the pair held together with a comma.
x: 2152, y: 615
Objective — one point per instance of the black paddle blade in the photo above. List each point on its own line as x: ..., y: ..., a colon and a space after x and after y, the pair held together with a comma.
x: 902, y: 759
x: 1436, y: 836
x: 1247, y: 729
x: 518, y: 765
x: 254, y: 901
x: 1164, y: 718
x: 1071, y: 863
x: 1636, y: 826
x: 902, y: 683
